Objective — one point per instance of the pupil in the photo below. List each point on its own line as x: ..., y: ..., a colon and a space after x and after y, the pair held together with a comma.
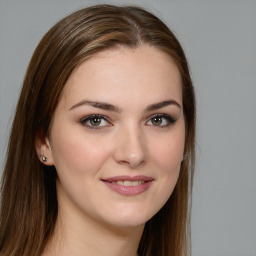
x: 157, y: 120
x: 95, y: 121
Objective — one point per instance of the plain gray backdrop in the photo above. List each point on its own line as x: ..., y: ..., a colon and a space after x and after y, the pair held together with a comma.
x: 219, y: 38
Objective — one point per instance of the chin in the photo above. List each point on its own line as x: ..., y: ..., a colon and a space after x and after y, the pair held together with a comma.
x: 127, y: 222
x: 130, y: 217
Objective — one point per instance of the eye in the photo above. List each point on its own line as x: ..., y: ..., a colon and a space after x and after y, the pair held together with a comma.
x: 95, y: 122
x: 161, y: 120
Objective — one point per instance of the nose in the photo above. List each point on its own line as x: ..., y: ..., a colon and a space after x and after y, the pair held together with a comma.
x: 131, y: 149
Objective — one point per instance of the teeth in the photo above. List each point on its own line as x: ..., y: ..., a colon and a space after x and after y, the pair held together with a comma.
x: 128, y: 183
x: 135, y: 183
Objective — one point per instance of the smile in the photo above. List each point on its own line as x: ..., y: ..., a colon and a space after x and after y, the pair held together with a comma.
x: 128, y: 182
x: 129, y: 186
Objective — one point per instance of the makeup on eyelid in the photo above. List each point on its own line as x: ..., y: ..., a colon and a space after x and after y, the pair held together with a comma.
x: 95, y: 121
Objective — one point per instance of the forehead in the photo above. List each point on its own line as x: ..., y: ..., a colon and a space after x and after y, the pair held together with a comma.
x: 124, y: 74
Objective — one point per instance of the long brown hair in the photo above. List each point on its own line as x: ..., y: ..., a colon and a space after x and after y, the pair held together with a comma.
x: 29, y: 205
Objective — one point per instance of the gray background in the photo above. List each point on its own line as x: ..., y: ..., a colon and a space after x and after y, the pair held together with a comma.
x: 219, y: 38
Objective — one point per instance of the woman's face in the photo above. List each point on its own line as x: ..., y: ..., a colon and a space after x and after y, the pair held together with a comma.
x: 117, y: 136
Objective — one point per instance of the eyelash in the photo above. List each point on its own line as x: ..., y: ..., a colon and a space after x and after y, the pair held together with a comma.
x: 84, y: 121
x: 170, y: 120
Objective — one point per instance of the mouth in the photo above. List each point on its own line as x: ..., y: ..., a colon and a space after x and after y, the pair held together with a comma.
x: 129, y: 185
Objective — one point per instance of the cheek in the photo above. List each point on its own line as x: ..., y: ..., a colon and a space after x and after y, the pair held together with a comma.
x: 78, y: 160
x: 168, y: 151
x: 78, y: 154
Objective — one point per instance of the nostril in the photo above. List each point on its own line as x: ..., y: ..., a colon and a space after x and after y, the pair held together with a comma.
x: 132, y: 164
x: 131, y: 149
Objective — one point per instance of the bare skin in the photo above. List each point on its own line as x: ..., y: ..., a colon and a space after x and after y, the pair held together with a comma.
x: 120, y: 114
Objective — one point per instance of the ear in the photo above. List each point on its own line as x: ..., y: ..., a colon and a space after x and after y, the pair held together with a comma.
x: 43, y: 149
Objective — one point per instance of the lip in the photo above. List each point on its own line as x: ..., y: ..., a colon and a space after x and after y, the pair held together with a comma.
x: 129, y: 190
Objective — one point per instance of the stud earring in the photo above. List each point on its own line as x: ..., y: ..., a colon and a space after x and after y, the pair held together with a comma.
x: 44, y: 158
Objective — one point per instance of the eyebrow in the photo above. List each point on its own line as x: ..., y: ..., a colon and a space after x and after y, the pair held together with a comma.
x: 97, y: 104
x: 162, y: 104
x: 110, y: 107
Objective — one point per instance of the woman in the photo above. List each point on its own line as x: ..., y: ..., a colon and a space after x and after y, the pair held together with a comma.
x: 101, y: 153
